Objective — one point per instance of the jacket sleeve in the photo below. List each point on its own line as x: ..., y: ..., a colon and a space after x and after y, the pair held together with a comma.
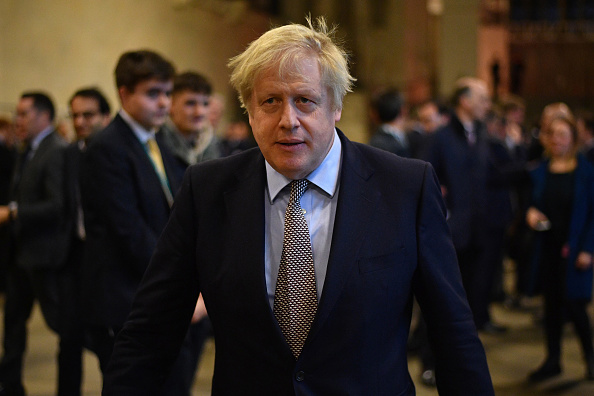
x: 461, y: 363
x: 151, y: 338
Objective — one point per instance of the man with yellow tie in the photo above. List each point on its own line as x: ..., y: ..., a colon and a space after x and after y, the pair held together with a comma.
x: 128, y: 183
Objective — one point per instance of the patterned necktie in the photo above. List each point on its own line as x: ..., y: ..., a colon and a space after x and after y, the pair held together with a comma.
x: 155, y: 156
x: 295, y: 298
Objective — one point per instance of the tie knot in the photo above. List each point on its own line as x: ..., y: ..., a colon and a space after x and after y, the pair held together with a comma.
x: 152, y: 142
x: 298, y: 187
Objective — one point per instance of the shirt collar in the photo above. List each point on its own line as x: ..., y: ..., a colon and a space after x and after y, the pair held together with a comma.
x: 40, y: 136
x: 142, y: 134
x: 392, y: 131
x: 325, y: 176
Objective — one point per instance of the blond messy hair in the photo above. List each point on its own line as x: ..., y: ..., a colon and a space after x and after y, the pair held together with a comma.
x: 282, y: 47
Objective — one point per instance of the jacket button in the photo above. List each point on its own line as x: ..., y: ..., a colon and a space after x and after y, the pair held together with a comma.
x: 300, y: 376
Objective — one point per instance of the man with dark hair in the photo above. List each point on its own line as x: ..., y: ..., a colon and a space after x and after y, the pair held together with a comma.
x: 90, y: 112
x: 387, y: 110
x: 188, y: 132
x: 128, y: 180
x: 429, y: 119
x: 135, y: 67
x: 38, y: 232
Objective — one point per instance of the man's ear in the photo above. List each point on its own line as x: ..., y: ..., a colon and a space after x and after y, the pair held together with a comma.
x: 337, y: 115
x: 124, y: 93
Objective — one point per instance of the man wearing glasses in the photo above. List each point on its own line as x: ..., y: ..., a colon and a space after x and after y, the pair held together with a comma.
x: 90, y: 112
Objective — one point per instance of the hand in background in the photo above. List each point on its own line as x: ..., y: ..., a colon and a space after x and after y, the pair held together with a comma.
x: 4, y: 214
x: 583, y: 261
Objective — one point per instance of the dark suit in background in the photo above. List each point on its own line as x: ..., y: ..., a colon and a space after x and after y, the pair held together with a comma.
x: 7, y: 162
x: 38, y: 247
x: 69, y: 279
x: 506, y: 175
x: 390, y: 240
x: 125, y: 211
x: 462, y: 169
x: 383, y: 139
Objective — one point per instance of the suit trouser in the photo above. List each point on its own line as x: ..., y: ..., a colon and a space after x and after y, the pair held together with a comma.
x: 71, y: 328
x: 23, y: 287
x: 492, y: 262
x: 472, y: 262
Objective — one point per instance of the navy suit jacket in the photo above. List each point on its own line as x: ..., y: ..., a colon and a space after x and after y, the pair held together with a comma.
x: 390, y: 240
x: 462, y: 169
x: 386, y: 141
x: 125, y: 211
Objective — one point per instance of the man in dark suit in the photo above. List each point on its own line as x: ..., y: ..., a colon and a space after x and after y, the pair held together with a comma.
x: 38, y: 232
x: 128, y: 180
x: 7, y: 161
x: 90, y: 112
x: 459, y: 154
x: 387, y: 110
x: 326, y: 309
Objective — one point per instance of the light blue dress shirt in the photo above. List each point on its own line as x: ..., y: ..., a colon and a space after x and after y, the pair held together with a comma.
x: 318, y: 201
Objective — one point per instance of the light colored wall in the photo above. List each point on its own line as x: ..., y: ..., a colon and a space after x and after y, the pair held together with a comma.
x: 61, y: 45
x: 458, y: 42
x: 494, y: 47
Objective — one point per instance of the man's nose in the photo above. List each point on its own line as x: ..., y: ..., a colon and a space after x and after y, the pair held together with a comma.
x: 164, y: 100
x: 77, y: 120
x: 201, y: 110
x: 289, y: 119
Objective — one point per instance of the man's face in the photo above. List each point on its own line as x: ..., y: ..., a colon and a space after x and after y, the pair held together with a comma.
x: 29, y: 121
x: 148, y: 103
x: 293, y: 119
x: 479, y: 101
x: 86, y: 116
x: 189, y: 111
x: 429, y: 117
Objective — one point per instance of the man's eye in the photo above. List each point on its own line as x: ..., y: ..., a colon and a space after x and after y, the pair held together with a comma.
x: 269, y: 101
x: 303, y: 100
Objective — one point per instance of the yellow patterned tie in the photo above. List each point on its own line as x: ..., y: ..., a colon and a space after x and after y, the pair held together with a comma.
x: 155, y: 155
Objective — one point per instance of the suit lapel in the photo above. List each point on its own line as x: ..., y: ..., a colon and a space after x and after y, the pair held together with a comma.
x: 139, y: 152
x: 29, y: 166
x: 245, y: 207
x: 356, y: 201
